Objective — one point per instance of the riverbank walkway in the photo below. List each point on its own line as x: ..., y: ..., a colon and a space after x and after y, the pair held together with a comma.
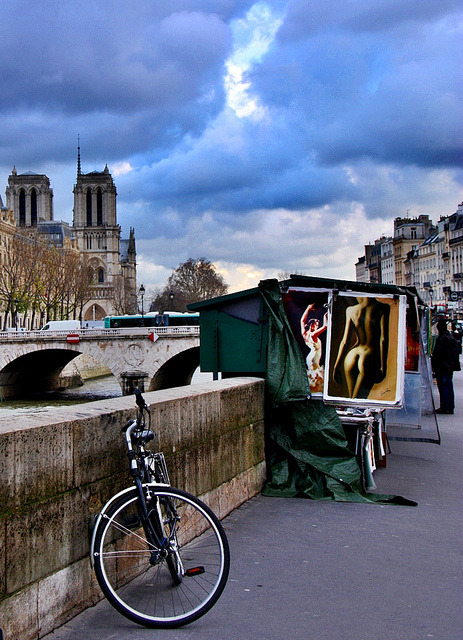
x: 333, y: 571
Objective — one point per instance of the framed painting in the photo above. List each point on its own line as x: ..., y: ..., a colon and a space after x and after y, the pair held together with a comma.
x: 307, y: 312
x: 365, y: 360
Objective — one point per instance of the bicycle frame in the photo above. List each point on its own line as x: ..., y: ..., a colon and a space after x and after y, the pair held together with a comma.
x: 141, y: 487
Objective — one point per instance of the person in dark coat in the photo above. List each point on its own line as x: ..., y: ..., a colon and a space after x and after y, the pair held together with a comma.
x: 445, y: 360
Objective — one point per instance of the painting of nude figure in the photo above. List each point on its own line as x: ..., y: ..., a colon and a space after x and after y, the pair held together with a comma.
x: 366, y: 350
x: 307, y: 312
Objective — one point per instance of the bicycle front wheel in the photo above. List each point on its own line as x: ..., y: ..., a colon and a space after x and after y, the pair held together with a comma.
x: 170, y: 582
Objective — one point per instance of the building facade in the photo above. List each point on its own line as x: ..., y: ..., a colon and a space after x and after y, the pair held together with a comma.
x: 421, y: 254
x: 409, y: 233
x: 377, y: 265
x: 387, y: 261
x: 94, y: 232
x: 99, y: 237
x: 7, y: 230
x: 360, y: 270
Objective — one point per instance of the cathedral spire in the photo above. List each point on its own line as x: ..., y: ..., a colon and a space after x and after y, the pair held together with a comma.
x: 78, y: 155
x: 131, y: 246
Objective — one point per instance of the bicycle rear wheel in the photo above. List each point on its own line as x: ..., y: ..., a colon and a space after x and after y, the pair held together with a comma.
x: 170, y: 584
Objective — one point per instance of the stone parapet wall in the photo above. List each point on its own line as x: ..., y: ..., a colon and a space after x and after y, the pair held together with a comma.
x: 59, y: 468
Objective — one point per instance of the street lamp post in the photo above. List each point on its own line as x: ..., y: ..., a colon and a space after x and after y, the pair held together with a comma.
x: 171, y: 298
x: 141, y: 291
x: 16, y: 303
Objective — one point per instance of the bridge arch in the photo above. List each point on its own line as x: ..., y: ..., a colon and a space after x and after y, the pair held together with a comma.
x: 33, y: 372
x: 176, y: 371
x: 33, y: 361
x: 38, y: 370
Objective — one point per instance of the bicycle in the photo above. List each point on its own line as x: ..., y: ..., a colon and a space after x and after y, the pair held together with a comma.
x: 160, y: 555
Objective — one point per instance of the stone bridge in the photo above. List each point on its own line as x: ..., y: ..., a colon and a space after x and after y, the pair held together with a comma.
x: 149, y: 358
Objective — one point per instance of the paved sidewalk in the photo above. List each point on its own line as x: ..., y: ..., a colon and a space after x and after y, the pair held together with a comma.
x: 332, y: 571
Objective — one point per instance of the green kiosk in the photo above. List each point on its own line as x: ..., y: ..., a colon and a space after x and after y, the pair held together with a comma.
x: 334, y: 355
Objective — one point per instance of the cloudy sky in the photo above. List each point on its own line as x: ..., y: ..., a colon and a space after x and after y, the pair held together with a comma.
x: 269, y: 137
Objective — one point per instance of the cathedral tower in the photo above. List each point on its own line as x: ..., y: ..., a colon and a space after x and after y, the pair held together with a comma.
x: 30, y: 198
x: 98, y: 236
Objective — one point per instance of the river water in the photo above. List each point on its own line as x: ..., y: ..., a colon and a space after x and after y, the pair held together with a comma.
x: 94, y: 389
x: 91, y: 390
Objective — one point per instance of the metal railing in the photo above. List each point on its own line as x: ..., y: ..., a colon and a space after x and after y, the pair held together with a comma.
x: 12, y: 335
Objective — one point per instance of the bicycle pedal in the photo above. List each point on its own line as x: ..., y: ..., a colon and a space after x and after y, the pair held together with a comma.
x: 194, y: 571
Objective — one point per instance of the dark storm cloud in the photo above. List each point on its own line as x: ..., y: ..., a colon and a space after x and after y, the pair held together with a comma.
x: 306, y: 18
x: 128, y: 79
x: 228, y: 182
x: 378, y: 80
x: 237, y: 167
x: 363, y: 85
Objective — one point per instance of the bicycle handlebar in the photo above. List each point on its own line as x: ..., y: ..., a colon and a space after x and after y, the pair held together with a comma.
x: 140, y: 400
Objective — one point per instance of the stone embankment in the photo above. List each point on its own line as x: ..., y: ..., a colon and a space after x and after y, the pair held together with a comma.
x: 80, y: 369
x: 58, y: 468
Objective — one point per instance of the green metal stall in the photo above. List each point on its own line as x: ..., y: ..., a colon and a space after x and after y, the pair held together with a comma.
x: 248, y: 333
x: 234, y: 334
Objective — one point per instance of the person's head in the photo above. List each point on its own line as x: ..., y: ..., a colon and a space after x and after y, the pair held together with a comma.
x: 442, y: 325
x: 312, y: 324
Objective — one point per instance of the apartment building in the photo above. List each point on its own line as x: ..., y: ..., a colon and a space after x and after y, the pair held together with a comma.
x: 409, y: 233
x: 420, y: 254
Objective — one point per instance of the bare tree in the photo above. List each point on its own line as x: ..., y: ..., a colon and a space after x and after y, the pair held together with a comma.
x: 285, y: 275
x: 38, y: 278
x: 191, y: 281
x: 82, y: 285
x: 14, y: 296
x: 119, y: 295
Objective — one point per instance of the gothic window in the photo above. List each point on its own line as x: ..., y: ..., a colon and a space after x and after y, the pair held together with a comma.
x: 100, y: 275
x: 89, y: 207
x: 22, y: 208
x: 99, y: 208
x: 33, y: 208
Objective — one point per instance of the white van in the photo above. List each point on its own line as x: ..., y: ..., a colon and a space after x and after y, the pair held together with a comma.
x: 61, y: 325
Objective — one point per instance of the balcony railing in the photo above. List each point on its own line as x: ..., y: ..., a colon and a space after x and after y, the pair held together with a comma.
x: 102, y: 291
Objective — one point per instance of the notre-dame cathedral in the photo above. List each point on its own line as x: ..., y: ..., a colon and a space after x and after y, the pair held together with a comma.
x: 94, y: 232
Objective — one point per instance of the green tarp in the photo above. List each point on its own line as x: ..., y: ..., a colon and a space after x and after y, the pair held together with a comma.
x: 306, y: 448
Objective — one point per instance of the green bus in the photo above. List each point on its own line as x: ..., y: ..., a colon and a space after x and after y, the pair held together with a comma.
x: 153, y: 319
